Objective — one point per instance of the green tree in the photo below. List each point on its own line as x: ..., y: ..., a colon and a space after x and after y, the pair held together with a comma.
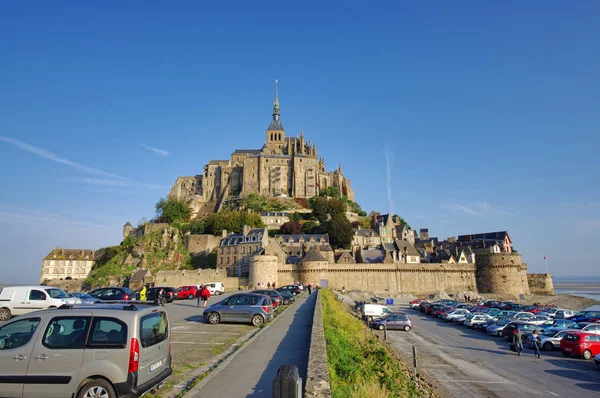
x: 256, y: 203
x: 295, y: 217
x: 340, y: 232
x: 319, y: 208
x: 173, y: 210
x: 291, y: 228
x: 332, y: 192
x: 335, y: 207
x: 362, y: 222
x: 232, y: 221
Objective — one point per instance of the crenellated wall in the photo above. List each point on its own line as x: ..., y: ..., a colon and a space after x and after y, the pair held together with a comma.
x: 540, y: 283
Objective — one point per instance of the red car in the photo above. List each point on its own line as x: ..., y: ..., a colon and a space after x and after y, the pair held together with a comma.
x: 580, y: 343
x: 439, y: 313
x: 539, y: 309
x: 415, y: 303
x: 187, y: 292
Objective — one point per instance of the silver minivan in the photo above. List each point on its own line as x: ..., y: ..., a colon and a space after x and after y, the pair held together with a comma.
x: 96, y: 350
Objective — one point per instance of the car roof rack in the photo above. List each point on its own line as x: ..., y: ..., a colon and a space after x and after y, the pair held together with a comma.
x: 127, y: 305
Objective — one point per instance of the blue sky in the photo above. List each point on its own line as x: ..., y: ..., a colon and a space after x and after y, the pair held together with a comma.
x: 487, y: 114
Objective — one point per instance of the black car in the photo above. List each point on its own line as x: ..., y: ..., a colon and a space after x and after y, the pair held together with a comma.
x: 295, y: 290
x: 113, y: 294
x: 288, y: 297
x: 170, y: 293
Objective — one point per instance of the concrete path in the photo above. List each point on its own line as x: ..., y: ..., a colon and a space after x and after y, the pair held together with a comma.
x: 251, y: 372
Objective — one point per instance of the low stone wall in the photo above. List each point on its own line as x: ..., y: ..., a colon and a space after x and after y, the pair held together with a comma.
x: 317, y: 378
x: 540, y: 283
x: 188, y: 277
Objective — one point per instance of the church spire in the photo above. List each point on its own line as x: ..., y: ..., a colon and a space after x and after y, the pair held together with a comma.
x: 276, y: 102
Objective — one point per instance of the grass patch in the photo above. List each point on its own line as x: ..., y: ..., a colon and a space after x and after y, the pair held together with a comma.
x: 359, y: 364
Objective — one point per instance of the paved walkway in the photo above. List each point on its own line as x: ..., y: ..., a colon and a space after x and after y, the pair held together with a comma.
x: 251, y: 373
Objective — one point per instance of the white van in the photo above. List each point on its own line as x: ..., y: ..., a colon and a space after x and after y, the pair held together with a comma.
x: 215, y: 288
x: 19, y: 300
x: 374, y: 311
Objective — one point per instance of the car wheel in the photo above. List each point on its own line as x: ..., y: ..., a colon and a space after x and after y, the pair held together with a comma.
x: 286, y: 301
x: 475, y: 327
x: 566, y: 353
x: 4, y: 314
x: 381, y: 327
x: 97, y: 388
x: 406, y: 328
x: 191, y: 296
x: 214, y: 318
x: 499, y: 334
x: 548, y: 346
x: 454, y: 320
x: 257, y: 320
x: 587, y: 355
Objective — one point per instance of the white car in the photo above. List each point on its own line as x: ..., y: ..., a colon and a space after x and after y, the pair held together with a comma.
x: 476, y: 321
x: 453, y: 316
x: 564, y: 314
x: 215, y: 288
x: 592, y: 328
x: 524, y: 316
x: 539, y: 319
x: 19, y: 300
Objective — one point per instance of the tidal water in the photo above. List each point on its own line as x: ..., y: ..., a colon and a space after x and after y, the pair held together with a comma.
x: 584, y: 286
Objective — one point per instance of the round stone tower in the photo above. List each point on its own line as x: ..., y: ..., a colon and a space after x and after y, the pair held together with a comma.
x: 313, y: 267
x: 263, y: 269
x: 127, y: 229
x: 501, y: 273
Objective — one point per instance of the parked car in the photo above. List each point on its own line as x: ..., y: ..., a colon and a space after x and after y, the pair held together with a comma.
x: 19, y: 300
x: 592, y: 328
x: 564, y: 314
x: 252, y: 308
x: 288, y: 297
x: 113, y: 294
x: 540, y: 308
x: 423, y: 305
x: 215, y: 288
x: 434, y: 307
x: 295, y: 290
x: 415, y: 303
x: 586, y: 316
x: 374, y: 311
x: 57, y: 351
x: 539, y: 319
x: 560, y: 324
x: 549, y: 341
x: 477, y: 320
x: 276, y: 298
x: 83, y: 298
x: 496, y: 328
x: 597, y: 360
x: 526, y: 329
x: 187, y: 292
x: 450, y: 316
x: 170, y: 293
x: 393, y: 321
x: 523, y: 316
x: 580, y: 343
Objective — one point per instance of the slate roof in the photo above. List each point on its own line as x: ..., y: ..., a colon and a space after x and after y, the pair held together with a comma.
x: 410, y: 249
x: 70, y: 254
x: 487, y: 235
x: 366, y: 232
x: 139, y: 275
x: 306, y: 237
x: 389, y: 247
x: 442, y: 255
x: 338, y: 256
x: 327, y: 248
x: 373, y: 256
x: 236, y: 239
x: 372, y: 213
x: 275, y: 125
x: 313, y: 255
x: 251, y: 151
x: 383, y: 218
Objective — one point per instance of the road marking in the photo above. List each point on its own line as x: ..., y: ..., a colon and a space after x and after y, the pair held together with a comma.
x: 181, y: 332
x: 478, y: 381
x: 556, y: 395
x: 194, y: 342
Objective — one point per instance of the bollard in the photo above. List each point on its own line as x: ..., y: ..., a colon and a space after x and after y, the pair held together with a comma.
x: 287, y: 383
x: 415, y: 364
x: 384, y: 331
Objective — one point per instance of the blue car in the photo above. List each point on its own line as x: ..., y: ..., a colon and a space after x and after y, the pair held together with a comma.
x: 561, y: 324
x: 586, y: 316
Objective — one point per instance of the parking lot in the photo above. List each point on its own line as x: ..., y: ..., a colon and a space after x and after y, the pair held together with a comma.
x: 469, y: 363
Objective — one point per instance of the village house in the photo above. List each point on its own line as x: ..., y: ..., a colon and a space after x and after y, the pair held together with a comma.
x: 67, y: 264
x: 234, y: 251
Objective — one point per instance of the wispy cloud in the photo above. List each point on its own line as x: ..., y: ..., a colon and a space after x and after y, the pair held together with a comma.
x: 160, y: 152
x: 389, y: 159
x: 43, y: 153
x: 8, y: 213
x: 115, y: 180
x: 477, y: 209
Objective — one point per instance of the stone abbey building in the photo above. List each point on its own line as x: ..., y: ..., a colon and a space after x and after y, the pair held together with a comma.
x: 283, y: 167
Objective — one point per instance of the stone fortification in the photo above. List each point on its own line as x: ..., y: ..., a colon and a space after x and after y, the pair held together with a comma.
x: 201, y: 244
x: 501, y: 273
x: 197, y: 277
x: 263, y: 269
x: 540, y: 283
x: 317, y: 377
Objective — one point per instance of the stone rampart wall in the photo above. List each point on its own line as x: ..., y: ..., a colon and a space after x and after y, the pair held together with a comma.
x: 501, y: 273
x: 317, y: 375
x: 201, y: 244
x: 540, y: 283
x: 197, y: 277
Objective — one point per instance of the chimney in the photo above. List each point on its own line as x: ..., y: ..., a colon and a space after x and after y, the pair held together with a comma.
x: 245, y: 230
x: 224, y: 233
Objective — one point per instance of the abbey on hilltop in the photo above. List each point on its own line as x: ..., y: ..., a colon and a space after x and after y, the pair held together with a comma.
x: 283, y: 167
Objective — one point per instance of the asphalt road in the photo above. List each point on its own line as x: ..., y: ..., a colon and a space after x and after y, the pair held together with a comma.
x: 469, y: 363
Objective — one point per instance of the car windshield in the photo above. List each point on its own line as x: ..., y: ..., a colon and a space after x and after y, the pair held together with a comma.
x: 57, y: 293
x: 503, y: 322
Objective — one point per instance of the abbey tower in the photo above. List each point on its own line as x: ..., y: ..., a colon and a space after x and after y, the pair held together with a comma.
x: 283, y: 167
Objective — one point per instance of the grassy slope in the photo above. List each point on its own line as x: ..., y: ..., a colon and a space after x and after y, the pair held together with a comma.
x: 360, y: 365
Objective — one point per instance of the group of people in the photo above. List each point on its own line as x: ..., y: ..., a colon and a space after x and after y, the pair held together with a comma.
x: 202, y: 294
x: 517, y: 342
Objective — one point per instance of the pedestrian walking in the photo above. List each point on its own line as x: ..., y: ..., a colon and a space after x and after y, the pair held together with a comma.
x: 268, y: 285
x: 518, y: 341
x: 273, y: 284
x: 198, y: 296
x: 143, y: 293
x: 161, y: 297
x: 536, y: 343
x: 205, y: 295
x: 309, y: 289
